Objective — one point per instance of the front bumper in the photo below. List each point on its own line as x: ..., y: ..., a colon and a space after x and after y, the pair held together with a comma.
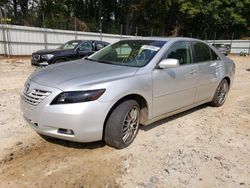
x: 39, y: 63
x: 86, y: 119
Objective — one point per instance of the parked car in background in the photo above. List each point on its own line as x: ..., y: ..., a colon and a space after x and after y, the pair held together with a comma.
x: 134, y: 81
x: 223, y: 48
x: 72, y: 50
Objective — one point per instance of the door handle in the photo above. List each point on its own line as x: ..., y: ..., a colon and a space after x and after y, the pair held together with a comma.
x: 193, y: 72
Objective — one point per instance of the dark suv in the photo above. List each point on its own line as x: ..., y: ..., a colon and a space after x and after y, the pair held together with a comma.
x: 75, y: 49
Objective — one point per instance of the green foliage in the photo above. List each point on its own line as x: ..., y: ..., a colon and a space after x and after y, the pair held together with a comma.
x: 196, y: 18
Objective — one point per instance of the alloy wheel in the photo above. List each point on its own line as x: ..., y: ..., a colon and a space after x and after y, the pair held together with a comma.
x: 130, y: 125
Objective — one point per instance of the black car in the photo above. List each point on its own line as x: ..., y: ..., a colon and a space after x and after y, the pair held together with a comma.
x: 75, y: 49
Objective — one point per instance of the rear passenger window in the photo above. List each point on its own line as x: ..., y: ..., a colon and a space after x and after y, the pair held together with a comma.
x: 214, y: 55
x: 180, y: 51
x: 202, y: 52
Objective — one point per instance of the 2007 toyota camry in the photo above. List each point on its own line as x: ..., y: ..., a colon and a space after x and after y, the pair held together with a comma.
x: 131, y: 82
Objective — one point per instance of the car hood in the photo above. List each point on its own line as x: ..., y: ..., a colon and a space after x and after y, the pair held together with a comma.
x: 51, y: 51
x: 76, y: 74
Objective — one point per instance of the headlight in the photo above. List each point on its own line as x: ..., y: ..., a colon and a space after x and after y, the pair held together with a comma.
x: 47, y: 56
x: 77, y: 96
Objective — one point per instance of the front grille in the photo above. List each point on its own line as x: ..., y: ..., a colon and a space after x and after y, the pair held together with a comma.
x: 35, y: 96
x: 36, y: 57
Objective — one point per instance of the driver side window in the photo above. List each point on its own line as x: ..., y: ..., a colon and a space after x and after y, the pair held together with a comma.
x: 85, y: 47
x: 181, y: 51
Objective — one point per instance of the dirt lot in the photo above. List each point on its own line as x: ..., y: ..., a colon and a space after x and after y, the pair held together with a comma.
x: 203, y: 147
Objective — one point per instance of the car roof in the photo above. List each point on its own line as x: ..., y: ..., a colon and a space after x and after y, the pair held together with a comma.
x: 163, y: 38
x: 87, y: 41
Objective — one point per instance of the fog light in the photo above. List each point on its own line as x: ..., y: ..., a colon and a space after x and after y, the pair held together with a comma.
x: 66, y: 131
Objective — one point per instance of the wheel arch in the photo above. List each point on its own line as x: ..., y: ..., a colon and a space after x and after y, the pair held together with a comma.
x: 228, y: 80
x: 142, y: 103
x: 60, y: 58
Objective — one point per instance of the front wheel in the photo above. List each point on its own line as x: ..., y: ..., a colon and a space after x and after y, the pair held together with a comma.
x: 123, y: 124
x: 220, y: 94
x: 59, y: 61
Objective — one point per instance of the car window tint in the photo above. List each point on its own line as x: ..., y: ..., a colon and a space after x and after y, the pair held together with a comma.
x: 202, y: 52
x: 180, y: 51
x: 86, y: 47
x: 214, y: 56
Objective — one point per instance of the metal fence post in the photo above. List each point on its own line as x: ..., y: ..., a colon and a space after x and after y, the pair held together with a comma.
x: 75, y: 30
x: 6, y: 33
x: 231, y: 41
x: 8, y: 40
x: 3, y: 33
x: 214, y: 37
x: 121, y: 32
x: 44, y: 32
x: 249, y: 49
x: 101, y: 18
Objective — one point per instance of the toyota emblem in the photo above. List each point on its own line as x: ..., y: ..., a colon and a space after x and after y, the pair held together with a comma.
x: 27, y: 87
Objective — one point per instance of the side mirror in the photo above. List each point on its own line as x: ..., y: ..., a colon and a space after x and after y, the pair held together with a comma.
x: 169, y: 63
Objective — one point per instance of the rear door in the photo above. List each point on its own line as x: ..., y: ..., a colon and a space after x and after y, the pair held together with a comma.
x: 209, y: 64
x: 174, y: 88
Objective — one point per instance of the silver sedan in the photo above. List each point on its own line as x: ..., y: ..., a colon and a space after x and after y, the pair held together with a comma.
x: 131, y: 82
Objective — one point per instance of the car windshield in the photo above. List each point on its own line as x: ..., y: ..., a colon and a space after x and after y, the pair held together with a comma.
x: 69, y: 45
x: 133, y: 53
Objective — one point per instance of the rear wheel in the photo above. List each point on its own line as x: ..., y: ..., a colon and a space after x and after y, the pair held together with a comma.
x: 123, y: 124
x: 220, y: 94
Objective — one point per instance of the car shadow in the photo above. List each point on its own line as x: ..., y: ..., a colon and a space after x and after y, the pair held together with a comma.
x: 76, y: 145
x: 101, y: 144
x: 171, y: 118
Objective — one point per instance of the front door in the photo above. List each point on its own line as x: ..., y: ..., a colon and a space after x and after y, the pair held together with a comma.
x: 174, y: 88
x: 84, y: 49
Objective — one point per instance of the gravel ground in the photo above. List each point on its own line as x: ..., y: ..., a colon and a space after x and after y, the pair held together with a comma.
x: 202, y: 147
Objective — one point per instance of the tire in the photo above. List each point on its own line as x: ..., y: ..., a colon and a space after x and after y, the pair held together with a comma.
x: 59, y: 61
x: 220, y: 94
x: 121, y: 129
